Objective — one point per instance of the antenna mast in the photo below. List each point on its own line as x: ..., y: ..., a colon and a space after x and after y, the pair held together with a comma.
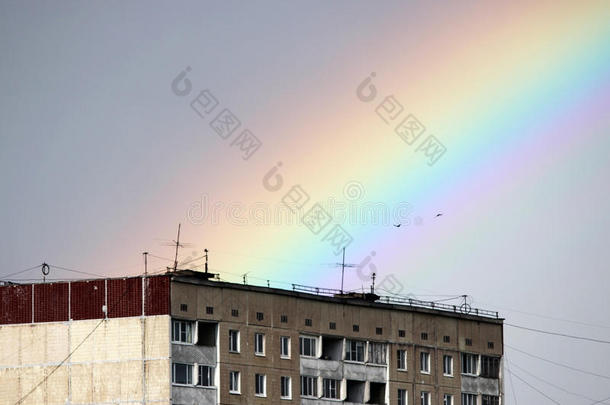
x: 343, y: 266
x: 145, y: 263
x: 206, y: 260
x: 177, y: 246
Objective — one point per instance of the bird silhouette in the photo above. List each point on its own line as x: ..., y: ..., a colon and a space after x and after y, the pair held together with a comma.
x: 438, y: 215
x: 397, y: 226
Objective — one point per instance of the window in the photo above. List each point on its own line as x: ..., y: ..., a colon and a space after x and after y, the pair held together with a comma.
x: 377, y: 353
x: 424, y: 336
x: 401, y: 359
x: 490, y: 345
x: 184, y: 307
x: 260, y: 388
x: 206, y: 376
x: 234, y: 341
x: 425, y: 398
x: 308, y: 322
x: 284, y: 319
x: 448, y: 365
x: 182, y: 331
x: 379, y: 331
x: 330, y: 389
x: 491, y: 400
x: 235, y: 312
x: 355, y: 351
x: 260, y: 316
x: 447, y: 399
x: 469, y: 363
x: 468, y: 342
x: 309, y: 386
x: 234, y: 382
x: 401, y: 333
x: 307, y: 346
x: 469, y: 399
x: 182, y: 374
x: 259, y: 344
x: 490, y: 367
x: 402, y: 397
x: 424, y: 362
x: 356, y: 328
x: 285, y: 347
x: 446, y: 339
x: 285, y: 387
x: 332, y: 325
x: 209, y: 310
x: 206, y: 334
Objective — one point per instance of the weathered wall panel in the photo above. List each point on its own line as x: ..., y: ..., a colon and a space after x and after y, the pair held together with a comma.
x: 124, y: 297
x: 87, y: 299
x: 156, y: 295
x: 15, y: 304
x: 51, y: 302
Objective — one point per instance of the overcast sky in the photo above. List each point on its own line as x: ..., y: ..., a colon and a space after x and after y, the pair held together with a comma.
x: 101, y: 156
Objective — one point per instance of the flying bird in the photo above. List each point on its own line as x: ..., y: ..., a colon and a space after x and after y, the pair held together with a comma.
x: 438, y: 215
x: 397, y: 226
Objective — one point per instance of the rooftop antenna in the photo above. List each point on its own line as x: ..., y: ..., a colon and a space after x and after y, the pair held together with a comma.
x: 145, y: 263
x: 373, y: 286
x: 45, y: 271
x: 343, y: 266
x: 206, y: 260
x: 245, y: 278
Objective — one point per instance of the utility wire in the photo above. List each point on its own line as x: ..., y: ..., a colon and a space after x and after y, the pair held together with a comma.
x: 554, y: 385
x: 534, y: 388
x: 22, y: 271
x: 512, y: 384
x: 78, y: 271
x: 558, y: 364
x: 559, y: 334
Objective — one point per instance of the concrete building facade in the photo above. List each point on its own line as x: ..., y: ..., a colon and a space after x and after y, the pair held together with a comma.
x: 210, y: 342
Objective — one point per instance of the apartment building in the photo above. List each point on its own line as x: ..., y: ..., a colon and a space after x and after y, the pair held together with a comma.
x: 191, y: 340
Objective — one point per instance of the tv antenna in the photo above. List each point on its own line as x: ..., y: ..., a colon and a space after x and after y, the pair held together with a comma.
x: 145, y: 263
x: 343, y: 266
x: 178, y: 245
x: 206, y: 260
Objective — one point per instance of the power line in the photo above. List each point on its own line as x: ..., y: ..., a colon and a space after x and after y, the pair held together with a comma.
x: 78, y: 271
x: 512, y: 384
x: 559, y: 334
x: 553, y: 385
x: 558, y: 364
x: 22, y: 271
x: 534, y: 388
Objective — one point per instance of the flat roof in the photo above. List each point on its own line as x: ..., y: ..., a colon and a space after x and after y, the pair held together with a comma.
x: 327, y: 295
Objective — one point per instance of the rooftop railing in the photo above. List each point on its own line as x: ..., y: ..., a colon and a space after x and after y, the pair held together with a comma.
x: 463, y: 308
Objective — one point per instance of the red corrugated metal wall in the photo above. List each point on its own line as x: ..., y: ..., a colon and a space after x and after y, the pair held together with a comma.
x: 15, y: 304
x: 125, y: 297
x: 51, y: 302
x: 157, y: 295
x: 87, y: 299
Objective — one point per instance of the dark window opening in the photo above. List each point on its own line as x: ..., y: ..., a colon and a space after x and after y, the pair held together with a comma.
x: 401, y: 333
x: 332, y: 325
x: 446, y: 339
x: 490, y: 367
x: 332, y: 348
x: 424, y: 336
x: 355, y: 391
x: 379, y: 331
x: 308, y: 322
x: 284, y: 319
x: 356, y: 328
x: 377, y: 393
x: 234, y: 312
x: 184, y: 307
x: 260, y: 316
x: 206, y: 334
x: 490, y: 345
x: 209, y: 310
x: 468, y: 342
